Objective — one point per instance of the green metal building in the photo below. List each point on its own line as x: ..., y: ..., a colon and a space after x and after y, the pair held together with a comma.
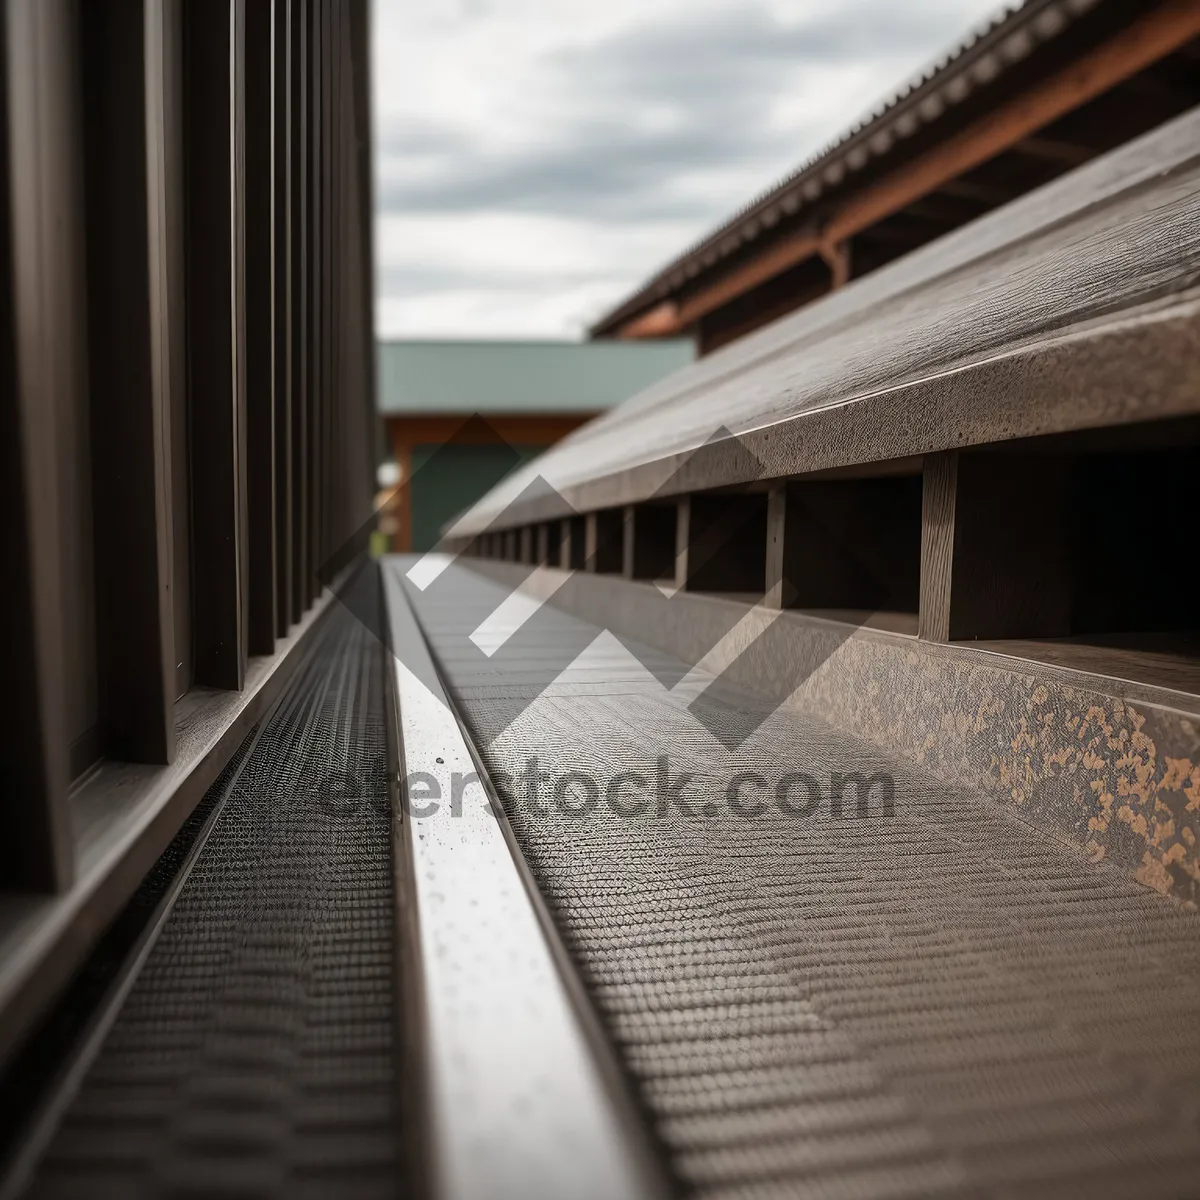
x: 461, y: 414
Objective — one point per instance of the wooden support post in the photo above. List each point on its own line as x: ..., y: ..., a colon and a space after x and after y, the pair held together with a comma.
x: 543, y: 545
x: 937, y: 544
x: 683, y: 530
x: 591, y: 540
x: 628, y: 538
x: 564, y: 543
x: 776, y: 527
x: 837, y: 257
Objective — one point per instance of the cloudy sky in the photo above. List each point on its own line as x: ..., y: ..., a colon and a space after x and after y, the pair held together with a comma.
x: 537, y: 159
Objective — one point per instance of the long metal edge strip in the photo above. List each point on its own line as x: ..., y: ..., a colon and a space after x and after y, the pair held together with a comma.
x: 519, y: 1095
x: 125, y: 816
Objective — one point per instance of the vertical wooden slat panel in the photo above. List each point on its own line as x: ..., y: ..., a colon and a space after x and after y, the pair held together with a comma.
x: 130, y: 375
x: 315, y: 291
x: 335, y: 535
x: 41, y: 344
x: 298, y: 327
x: 320, y: 441
x: 216, y: 331
x: 260, y: 342
x: 281, y: 303
x: 166, y: 19
x: 360, y: 290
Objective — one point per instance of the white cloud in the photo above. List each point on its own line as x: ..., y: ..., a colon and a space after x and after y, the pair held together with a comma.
x: 537, y: 159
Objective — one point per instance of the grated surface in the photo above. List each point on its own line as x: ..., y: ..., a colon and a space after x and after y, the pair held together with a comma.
x: 942, y: 1002
x: 254, y: 1053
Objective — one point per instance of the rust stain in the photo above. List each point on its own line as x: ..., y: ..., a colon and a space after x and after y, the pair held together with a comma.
x: 1120, y: 779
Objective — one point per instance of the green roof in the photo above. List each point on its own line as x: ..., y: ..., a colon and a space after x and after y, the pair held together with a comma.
x: 520, y: 377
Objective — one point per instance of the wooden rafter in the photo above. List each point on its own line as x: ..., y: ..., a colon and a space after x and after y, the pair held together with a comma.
x: 1011, y: 126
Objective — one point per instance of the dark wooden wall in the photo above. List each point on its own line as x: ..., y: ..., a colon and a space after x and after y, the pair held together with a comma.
x: 186, y: 411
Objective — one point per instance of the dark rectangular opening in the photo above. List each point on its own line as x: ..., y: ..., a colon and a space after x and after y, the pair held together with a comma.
x: 578, y: 555
x: 608, y: 553
x: 726, y: 548
x: 650, y: 541
x: 1082, y: 552
x: 852, y: 550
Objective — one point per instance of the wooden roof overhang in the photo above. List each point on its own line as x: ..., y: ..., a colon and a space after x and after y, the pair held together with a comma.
x: 1075, y: 307
x: 1043, y: 89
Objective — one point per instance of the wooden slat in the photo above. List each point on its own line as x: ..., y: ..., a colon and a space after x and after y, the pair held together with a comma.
x: 41, y: 343
x: 130, y: 377
x: 282, y: 381
x: 298, y: 326
x: 330, y: 304
x: 171, y: 337
x: 216, y: 332
x: 260, y: 340
x: 315, y: 301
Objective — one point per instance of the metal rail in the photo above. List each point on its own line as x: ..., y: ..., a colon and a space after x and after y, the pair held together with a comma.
x: 519, y: 1095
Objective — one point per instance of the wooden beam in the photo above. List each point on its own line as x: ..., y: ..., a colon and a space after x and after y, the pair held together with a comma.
x: 1140, y: 44
x: 660, y: 321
